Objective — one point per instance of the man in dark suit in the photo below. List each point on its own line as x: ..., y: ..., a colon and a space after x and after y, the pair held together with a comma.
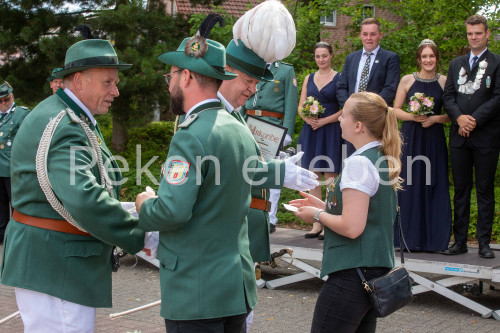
x: 472, y: 100
x: 372, y: 69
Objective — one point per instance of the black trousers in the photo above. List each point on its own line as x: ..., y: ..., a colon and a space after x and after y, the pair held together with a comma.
x: 231, y: 324
x: 343, y: 305
x: 481, y: 162
x: 5, y: 199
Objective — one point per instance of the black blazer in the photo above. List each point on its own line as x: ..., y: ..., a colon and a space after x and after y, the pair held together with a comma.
x: 483, y: 104
x: 383, y: 80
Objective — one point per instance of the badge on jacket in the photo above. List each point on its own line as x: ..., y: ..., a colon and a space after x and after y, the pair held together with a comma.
x: 177, y: 172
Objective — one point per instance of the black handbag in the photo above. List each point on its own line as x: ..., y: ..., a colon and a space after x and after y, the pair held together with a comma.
x: 392, y: 291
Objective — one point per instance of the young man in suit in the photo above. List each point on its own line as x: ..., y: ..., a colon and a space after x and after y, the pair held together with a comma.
x: 11, y: 117
x: 472, y: 100
x: 371, y: 69
x: 58, y: 245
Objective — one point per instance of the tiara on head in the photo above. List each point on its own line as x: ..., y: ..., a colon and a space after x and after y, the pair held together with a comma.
x: 427, y: 42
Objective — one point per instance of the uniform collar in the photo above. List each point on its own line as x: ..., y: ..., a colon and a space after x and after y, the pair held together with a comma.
x: 81, y: 105
x: 8, y: 111
x: 224, y: 101
x: 369, y: 145
x: 201, y: 105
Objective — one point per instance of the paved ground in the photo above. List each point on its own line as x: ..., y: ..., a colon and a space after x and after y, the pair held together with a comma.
x: 286, y: 309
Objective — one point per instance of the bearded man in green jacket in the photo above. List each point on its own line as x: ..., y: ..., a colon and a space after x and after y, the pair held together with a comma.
x: 58, y: 246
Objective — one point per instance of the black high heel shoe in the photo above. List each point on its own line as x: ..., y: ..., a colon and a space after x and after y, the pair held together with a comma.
x: 312, y: 235
x: 321, y: 237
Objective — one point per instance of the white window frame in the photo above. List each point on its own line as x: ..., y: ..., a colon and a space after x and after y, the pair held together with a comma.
x: 372, y: 7
x: 322, y: 20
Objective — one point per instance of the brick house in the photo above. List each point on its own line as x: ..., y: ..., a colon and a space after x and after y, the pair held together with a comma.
x: 334, y: 25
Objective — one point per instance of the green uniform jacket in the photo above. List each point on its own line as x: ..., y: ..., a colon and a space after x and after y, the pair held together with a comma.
x: 258, y: 220
x: 269, y: 175
x: 8, y: 129
x: 374, y: 247
x: 72, y: 267
x: 205, y: 266
x: 280, y: 95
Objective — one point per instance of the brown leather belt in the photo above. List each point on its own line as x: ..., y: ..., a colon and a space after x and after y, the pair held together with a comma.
x: 260, y: 204
x: 50, y: 224
x: 263, y: 113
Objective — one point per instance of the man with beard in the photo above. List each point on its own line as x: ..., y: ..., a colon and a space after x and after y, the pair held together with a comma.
x: 206, y: 271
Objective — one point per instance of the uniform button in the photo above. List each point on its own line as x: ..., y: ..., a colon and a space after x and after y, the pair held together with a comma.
x: 469, y: 98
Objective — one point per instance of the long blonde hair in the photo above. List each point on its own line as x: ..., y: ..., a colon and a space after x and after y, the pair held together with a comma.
x: 381, y: 122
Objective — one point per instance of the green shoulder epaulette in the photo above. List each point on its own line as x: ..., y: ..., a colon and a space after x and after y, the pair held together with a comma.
x: 189, y: 119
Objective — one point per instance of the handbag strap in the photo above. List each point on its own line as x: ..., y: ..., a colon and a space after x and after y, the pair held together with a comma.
x: 402, y: 243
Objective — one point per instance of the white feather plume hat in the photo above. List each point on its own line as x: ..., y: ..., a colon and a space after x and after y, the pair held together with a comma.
x: 268, y: 30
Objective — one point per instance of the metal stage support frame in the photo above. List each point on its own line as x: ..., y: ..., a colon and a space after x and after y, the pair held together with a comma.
x: 449, y: 270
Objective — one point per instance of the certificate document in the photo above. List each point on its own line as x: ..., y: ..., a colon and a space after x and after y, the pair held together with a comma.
x: 269, y: 136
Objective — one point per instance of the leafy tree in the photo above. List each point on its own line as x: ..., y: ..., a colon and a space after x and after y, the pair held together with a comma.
x: 42, y: 31
x: 139, y: 36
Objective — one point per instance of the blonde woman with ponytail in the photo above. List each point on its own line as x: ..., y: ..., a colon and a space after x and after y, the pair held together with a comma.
x: 358, y: 215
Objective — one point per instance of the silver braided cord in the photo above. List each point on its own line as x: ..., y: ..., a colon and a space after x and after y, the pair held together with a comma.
x: 41, y: 163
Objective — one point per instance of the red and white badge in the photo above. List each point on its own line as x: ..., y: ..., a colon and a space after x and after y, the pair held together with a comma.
x: 177, y: 172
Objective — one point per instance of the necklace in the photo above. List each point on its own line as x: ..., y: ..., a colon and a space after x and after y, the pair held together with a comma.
x: 330, y: 72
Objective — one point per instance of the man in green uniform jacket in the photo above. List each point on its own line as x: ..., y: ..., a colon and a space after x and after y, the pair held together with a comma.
x: 58, y: 245
x: 276, y: 101
x: 206, y: 271
x: 11, y: 117
x: 251, y: 70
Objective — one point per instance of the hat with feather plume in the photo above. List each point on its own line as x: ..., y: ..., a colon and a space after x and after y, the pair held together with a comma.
x: 264, y: 34
x: 200, y: 54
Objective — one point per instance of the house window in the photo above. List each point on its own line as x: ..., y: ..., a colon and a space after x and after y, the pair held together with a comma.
x: 368, y: 11
x: 329, y: 20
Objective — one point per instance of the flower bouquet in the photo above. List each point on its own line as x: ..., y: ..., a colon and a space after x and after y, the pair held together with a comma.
x: 420, y: 104
x: 311, y: 108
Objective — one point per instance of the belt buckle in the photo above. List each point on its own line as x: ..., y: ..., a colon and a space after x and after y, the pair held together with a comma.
x: 268, y: 206
x: 258, y: 113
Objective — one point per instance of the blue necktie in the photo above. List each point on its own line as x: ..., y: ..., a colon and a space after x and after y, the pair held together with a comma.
x: 474, y: 62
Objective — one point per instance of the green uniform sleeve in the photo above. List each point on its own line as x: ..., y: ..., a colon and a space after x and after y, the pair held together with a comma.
x: 177, y: 193
x: 291, y: 100
x: 72, y: 173
x: 269, y: 174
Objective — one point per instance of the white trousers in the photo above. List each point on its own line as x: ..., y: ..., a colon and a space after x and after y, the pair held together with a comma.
x: 42, y: 313
x: 274, y: 197
x: 249, y: 321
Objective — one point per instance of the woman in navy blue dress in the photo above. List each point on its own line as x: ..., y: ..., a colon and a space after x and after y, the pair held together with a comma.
x: 425, y: 198
x: 320, y: 138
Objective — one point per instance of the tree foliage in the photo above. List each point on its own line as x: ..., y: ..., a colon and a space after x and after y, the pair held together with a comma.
x: 41, y: 32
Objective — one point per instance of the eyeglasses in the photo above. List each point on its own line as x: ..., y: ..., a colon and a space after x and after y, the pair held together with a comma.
x: 5, y: 99
x: 169, y: 75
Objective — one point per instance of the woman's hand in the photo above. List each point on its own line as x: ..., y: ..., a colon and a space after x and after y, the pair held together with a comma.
x: 429, y: 121
x: 306, y: 214
x: 309, y: 200
x: 320, y: 122
x: 419, y: 118
x: 310, y: 121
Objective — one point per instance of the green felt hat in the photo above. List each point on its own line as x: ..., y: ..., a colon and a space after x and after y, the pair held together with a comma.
x: 90, y: 53
x: 5, y: 89
x: 244, y: 59
x: 52, y: 76
x: 200, y: 55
